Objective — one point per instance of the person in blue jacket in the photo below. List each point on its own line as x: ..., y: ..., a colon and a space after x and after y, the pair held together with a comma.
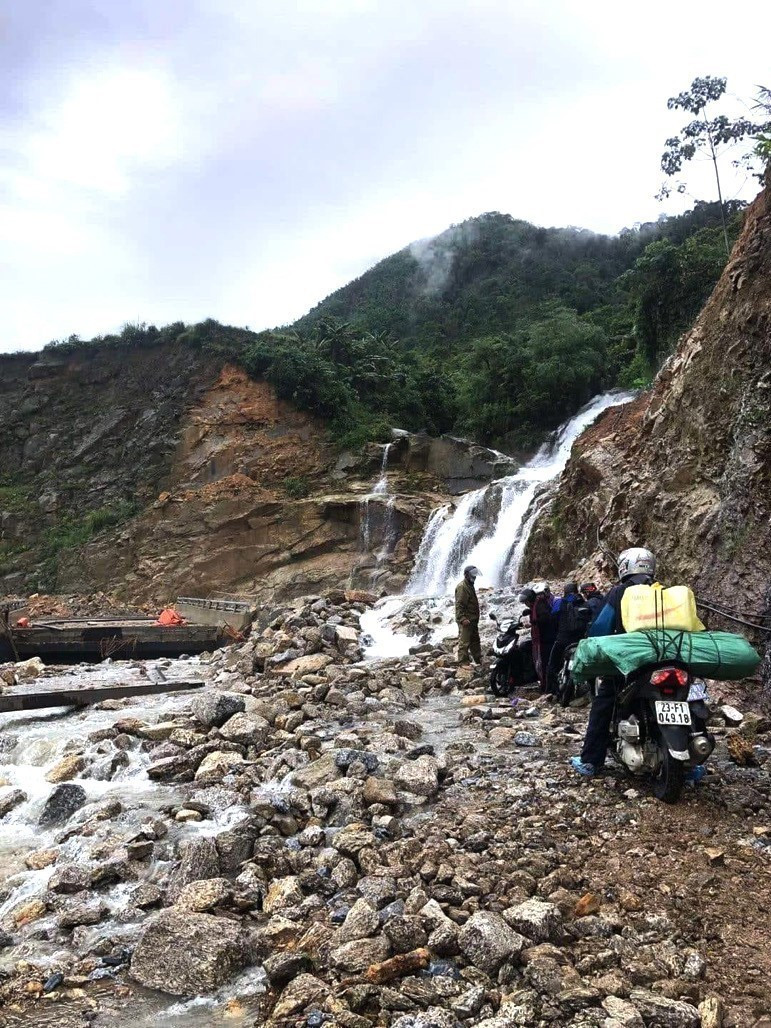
x: 636, y: 566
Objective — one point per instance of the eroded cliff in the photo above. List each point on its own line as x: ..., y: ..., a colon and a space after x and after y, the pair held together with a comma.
x: 686, y: 469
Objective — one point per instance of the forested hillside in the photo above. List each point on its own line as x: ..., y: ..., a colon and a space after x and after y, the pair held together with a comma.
x: 496, y: 329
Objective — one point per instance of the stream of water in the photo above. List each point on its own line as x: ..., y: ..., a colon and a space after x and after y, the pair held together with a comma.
x: 489, y: 528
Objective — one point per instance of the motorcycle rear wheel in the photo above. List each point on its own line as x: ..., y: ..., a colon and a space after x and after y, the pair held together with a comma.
x: 499, y: 682
x: 670, y: 778
x: 567, y: 691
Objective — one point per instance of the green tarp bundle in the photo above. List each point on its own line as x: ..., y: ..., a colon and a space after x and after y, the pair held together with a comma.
x: 721, y: 655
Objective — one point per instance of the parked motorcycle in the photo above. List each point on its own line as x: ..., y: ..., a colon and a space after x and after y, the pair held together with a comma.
x: 567, y: 688
x: 659, y: 726
x: 512, y: 652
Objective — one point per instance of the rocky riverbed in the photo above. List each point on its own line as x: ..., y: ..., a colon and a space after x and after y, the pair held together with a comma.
x: 318, y: 841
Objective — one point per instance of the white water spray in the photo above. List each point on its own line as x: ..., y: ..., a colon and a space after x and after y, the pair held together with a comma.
x: 489, y: 528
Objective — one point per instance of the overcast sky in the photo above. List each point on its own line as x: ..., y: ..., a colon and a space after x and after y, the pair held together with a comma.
x: 167, y: 160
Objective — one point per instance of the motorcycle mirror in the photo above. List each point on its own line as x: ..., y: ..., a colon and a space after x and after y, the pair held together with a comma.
x: 494, y: 617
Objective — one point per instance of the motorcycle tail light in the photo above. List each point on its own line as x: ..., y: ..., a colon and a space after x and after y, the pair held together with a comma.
x: 669, y: 676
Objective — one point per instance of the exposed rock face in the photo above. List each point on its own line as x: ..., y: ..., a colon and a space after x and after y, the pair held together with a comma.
x: 686, y: 469
x: 460, y: 464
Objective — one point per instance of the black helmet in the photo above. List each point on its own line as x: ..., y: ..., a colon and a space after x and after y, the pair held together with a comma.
x: 527, y: 596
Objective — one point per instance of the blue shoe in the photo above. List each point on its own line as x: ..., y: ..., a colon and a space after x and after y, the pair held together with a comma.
x: 587, y: 770
x: 696, y: 774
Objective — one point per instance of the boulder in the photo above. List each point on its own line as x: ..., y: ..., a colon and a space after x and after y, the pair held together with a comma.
x: 622, y: 1012
x: 536, y: 920
x: 660, y: 1012
x: 68, y: 767
x: 282, y: 894
x: 246, y: 729
x: 28, y: 669
x: 62, y: 804
x: 198, y: 859
x: 10, y: 798
x: 301, y: 666
x: 487, y: 942
x: 213, y: 708
x: 361, y: 922
x: 420, y: 777
x: 379, y: 790
x: 185, y: 953
x: 216, y: 765
x: 305, y: 990
x: 357, y: 956
x: 204, y: 894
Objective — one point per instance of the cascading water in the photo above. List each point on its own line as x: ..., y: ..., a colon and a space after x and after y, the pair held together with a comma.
x: 489, y: 528
x: 379, y: 514
x: 496, y: 544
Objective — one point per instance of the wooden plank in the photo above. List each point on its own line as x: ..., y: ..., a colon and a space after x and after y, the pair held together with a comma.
x: 85, y: 697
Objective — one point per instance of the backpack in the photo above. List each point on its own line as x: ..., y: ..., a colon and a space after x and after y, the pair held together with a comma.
x: 575, y: 617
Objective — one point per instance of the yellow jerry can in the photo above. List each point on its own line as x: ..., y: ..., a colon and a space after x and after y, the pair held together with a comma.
x: 651, y: 606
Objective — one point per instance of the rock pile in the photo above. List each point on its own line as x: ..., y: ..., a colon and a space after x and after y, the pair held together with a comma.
x: 393, y: 849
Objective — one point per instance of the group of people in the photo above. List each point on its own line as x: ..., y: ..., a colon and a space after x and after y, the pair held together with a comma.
x: 556, y: 623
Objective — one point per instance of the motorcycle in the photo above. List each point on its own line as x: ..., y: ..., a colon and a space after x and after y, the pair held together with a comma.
x: 659, y: 726
x: 513, y: 664
x: 567, y: 688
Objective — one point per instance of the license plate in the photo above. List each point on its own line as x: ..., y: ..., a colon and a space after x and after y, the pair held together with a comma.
x: 672, y: 712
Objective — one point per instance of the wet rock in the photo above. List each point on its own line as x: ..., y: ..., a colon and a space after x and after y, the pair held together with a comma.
x: 68, y: 767
x: 344, y: 758
x: 39, y: 859
x: 283, y: 894
x: 525, y: 739
x: 62, y: 804
x: 10, y: 798
x: 204, y: 895
x: 87, y: 913
x: 246, y: 729
x: 358, y: 955
x: 305, y: 990
x: 658, y: 1012
x: 212, y: 709
x: 317, y: 772
x: 69, y: 878
x: 283, y: 967
x: 186, y: 954
x: 217, y: 765
x: 198, y: 859
x: 419, y: 777
x: 361, y: 922
x: 26, y: 670
x: 487, y: 941
x: 536, y: 920
x: 178, y: 767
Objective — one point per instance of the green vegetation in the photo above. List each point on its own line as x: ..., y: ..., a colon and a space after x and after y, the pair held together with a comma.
x: 71, y: 532
x: 497, y: 328
x: 297, y: 487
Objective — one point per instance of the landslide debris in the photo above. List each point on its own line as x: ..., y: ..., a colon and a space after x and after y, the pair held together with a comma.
x: 392, y: 848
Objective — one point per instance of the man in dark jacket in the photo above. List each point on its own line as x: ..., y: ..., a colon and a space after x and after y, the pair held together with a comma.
x: 594, y: 598
x: 467, y: 616
x: 573, y: 616
x: 544, y: 629
x: 636, y: 566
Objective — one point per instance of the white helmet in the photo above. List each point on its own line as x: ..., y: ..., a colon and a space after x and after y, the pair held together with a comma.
x: 540, y: 587
x: 636, y: 561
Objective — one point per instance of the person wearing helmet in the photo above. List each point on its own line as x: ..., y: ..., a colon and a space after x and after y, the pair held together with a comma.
x: 636, y: 566
x: 467, y: 616
x: 544, y: 629
x: 573, y: 617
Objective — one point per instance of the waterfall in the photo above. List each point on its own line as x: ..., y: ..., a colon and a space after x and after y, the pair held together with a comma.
x: 379, y: 514
x: 490, y: 526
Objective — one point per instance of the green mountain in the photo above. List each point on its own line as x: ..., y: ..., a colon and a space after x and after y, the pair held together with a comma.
x: 496, y: 329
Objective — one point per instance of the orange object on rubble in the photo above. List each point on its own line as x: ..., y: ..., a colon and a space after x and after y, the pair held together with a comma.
x: 22, y: 623
x: 169, y: 617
